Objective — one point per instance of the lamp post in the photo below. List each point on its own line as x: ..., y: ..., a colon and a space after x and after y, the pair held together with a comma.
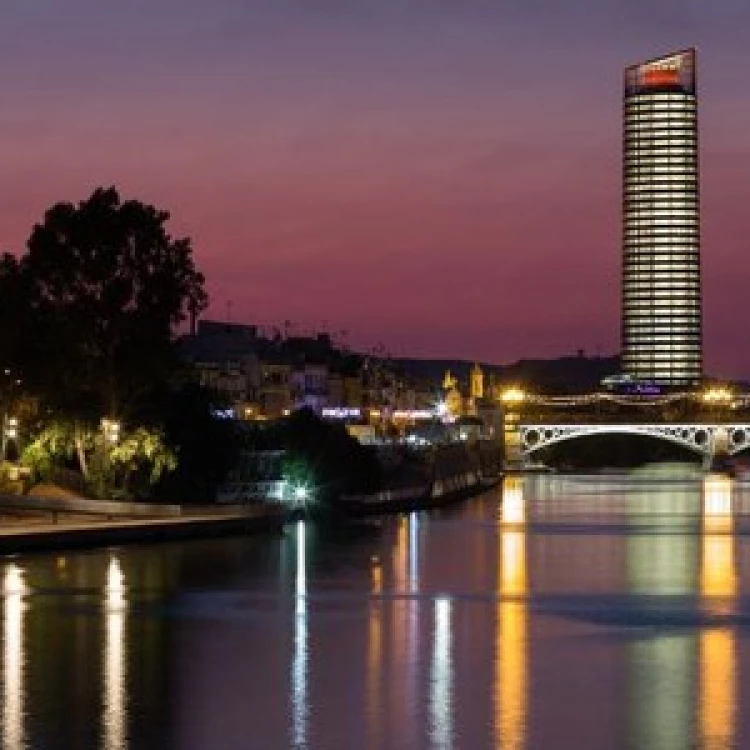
x: 110, y: 437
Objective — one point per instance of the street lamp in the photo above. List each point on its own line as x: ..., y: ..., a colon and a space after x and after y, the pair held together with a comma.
x: 111, y: 430
x: 513, y: 396
x: 717, y: 395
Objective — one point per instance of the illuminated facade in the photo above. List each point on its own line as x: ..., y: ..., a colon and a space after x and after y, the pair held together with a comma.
x: 661, y: 285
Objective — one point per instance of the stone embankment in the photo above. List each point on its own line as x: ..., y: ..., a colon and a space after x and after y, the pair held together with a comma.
x: 40, y: 523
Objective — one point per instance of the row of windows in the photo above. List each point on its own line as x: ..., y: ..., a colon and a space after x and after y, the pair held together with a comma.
x: 638, y: 148
x: 635, y: 126
x: 675, y: 131
x: 657, y: 166
x: 636, y: 214
x: 656, y: 312
x: 675, y: 334
x: 666, y: 306
x: 666, y: 363
x: 635, y: 157
x: 669, y: 198
x: 681, y: 354
x: 646, y: 202
x: 640, y: 166
x: 663, y: 306
x: 682, y: 343
x: 636, y: 282
x: 683, y: 263
x: 685, y: 326
x: 650, y: 210
x: 637, y: 241
x: 660, y: 117
x: 659, y: 96
x: 654, y: 203
x: 638, y: 163
x: 673, y: 255
x: 686, y: 343
x: 677, y: 278
x: 678, y: 101
x: 641, y: 229
x: 660, y: 180
x: 640, y: 238
x: 648, y: 174
x: 670, y: 141
x: 678, y: 108
x: 639, y: 216
x: 635, y: 272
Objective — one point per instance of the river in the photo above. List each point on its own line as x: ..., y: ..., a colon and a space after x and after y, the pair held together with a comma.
x: 577, y: 611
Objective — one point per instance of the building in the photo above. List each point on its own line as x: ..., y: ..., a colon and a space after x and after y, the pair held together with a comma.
x: 661, y: 284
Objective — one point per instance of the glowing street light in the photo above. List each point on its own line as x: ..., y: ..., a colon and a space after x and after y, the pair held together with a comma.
x: 513, y: 396
x: 717, y: 395
x: 111, y: 430
x: 11, y: 428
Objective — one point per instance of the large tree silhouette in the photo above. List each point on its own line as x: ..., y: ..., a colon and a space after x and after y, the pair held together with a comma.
x: 106, y: 286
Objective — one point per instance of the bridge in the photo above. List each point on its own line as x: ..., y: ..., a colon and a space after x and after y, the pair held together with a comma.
x: 713, y: 425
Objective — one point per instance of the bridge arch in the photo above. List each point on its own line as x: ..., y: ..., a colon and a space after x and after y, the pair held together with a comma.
x: 696, y: 438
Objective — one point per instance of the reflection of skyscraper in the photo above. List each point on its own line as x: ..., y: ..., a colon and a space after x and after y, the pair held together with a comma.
x: 661, y: 288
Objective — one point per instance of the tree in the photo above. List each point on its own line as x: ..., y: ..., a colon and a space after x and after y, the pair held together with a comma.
x: 104, y: 287
x: 12, y: 301
x: 206, y: 445
x: 107, y: 286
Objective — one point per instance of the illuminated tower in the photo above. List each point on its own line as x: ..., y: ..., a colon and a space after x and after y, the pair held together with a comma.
x: 661, y: 281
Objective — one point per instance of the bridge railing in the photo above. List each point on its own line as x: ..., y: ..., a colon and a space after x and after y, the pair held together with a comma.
x: 630, y: 418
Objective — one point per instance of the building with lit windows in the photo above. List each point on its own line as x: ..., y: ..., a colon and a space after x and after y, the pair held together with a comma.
x: 661, y: 284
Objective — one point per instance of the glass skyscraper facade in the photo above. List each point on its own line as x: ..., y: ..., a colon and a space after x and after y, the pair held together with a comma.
x: 661, y: 268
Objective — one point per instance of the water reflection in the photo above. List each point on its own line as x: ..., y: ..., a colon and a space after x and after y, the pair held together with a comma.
x: 718, y: 692
x: 300, y: 658
x: 441, y: 677
x: 662, y: 662
x: 511, y: 652
x: 375, y: 653
x: 114, y: 720
x: 404, y: 609
x: 14, y: 589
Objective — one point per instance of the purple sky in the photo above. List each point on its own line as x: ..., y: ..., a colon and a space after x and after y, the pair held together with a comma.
x: 439, y: 175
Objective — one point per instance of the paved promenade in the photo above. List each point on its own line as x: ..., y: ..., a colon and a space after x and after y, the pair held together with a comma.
x: 34, y: 530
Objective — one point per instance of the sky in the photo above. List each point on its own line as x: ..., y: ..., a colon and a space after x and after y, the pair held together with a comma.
x: 439, y: 176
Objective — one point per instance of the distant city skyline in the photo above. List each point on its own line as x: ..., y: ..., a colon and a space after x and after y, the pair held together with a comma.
x: 442, y: 177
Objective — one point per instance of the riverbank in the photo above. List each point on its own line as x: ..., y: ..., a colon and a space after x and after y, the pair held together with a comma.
x: 72, y: 531
x: 436, y: 495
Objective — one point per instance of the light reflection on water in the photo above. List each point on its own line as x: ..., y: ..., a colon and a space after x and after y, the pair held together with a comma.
x: 511, y: 621
x: 600, y: 613
x: 299, y: 671
x: 718, y: 693
x: 115, y: 713
x: 14, y: 590
x: 441, y: 677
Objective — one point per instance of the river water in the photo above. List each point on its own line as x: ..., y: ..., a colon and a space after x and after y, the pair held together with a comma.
x: 588, y: 611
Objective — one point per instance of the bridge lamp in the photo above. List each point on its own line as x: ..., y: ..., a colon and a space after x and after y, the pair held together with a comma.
x: 717, y: 396
x: 513, y: 396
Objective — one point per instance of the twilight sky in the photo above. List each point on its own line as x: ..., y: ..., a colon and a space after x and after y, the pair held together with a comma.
x: 439, y: 175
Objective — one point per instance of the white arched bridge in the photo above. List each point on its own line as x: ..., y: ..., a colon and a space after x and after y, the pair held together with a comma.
x: 707, y: 440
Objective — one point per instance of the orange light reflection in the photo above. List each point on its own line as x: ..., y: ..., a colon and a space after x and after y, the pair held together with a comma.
x: 511, y: 645
x: 718, y: 688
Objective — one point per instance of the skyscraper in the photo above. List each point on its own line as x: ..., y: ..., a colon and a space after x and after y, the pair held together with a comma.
x: 661, y: 279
